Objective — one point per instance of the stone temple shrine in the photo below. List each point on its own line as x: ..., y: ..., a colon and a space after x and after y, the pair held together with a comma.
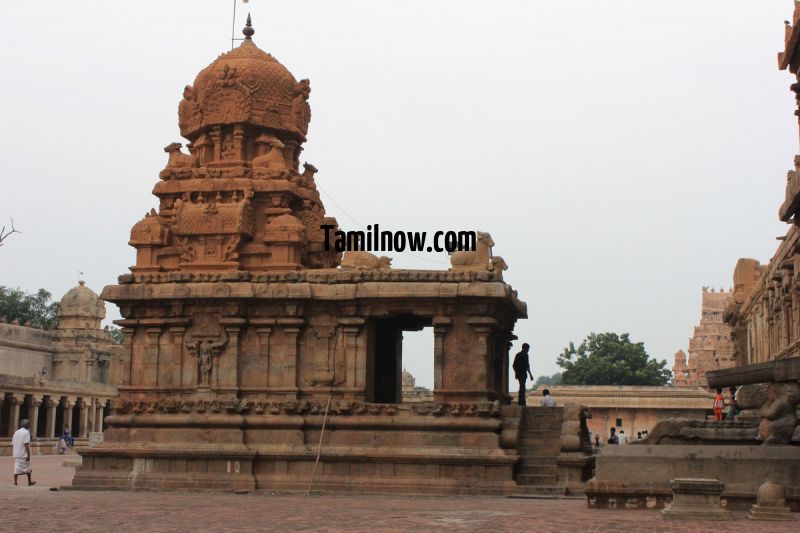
x: 245, y: 339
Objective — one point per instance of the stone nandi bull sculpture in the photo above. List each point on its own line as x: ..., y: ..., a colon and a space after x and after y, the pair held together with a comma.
x: 365, y: 261
x: 178, y: 159
x: 480, y: 259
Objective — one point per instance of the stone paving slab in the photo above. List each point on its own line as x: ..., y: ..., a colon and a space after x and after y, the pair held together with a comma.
x: 37, y: 508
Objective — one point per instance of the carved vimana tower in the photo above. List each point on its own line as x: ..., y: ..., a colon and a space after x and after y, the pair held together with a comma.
x: 243, y: 338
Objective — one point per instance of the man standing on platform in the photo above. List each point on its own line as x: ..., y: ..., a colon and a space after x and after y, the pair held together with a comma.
x: 21, y: 449
x: 522, y: 369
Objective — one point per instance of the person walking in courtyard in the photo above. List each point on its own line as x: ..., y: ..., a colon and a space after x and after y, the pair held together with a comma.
x: 623, y: 438
x: 719, y: 405
x: 522, y: 369
x: 547, y: 400
x: 612, y: 438
x: 21, y: 449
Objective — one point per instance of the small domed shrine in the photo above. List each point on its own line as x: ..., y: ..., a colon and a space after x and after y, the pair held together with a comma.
x: 237, y: 201
x: 245, y: 340
x: 81, y: 308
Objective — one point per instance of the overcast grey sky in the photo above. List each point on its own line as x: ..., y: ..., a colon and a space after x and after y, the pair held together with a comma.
x: 621, y: 153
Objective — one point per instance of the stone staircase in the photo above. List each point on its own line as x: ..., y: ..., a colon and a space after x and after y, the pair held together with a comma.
x: 538, y: 446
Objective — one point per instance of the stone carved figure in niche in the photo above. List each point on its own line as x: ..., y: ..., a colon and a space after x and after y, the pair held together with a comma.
x: 300, y: 107
x: 205, y: 340
x: 228, y: 146
x: 365, y: 261
x: 178, y: 159
x: 189, y: 113
x: 779, y: 413
x: 273, y: 163
x: 477, y: 260
x: 205, y: 354
x: 228, y: 78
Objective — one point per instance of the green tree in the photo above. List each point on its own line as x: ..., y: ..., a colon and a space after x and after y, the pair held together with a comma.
x: 35, y: 308
x: 555, y: 379
x: 611, y: 359
x: 115, y: 333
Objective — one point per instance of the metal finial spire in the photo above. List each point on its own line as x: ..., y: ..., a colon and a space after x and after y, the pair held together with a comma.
x: 248, y: 30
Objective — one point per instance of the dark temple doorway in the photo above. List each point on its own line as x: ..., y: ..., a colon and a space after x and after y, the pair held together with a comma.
x: 385, y: 356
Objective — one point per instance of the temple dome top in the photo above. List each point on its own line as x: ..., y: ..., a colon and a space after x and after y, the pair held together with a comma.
x: 245, y: 86
x: 80, y: 304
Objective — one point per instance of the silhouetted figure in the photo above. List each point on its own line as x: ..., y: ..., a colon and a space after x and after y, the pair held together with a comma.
x: 522, y: 369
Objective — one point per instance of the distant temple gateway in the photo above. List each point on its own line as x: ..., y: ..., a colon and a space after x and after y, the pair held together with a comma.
x: 245, y: 339
x: 711, y: 346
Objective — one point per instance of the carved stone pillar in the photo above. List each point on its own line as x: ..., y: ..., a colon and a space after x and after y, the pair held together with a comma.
x: 83, y: 419
x: 216, y: 139
x: 263, y: 350
x: 177, y: 363
x: 238, y: 141
x: 13, y: 421
x: 227, y: 363
x: 150, y: 370
x: 98, y: 415
x: 33, y: 414
x: 440, y: 325
x: 52, y: 405
x: 69, y: 403
x: 483, y: 352
x: 90, y: 414
x: 355, y: 366
x: 127, y: 334
x: 292, y: 331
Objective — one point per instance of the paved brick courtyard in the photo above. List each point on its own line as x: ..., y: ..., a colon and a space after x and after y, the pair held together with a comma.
x: 39, y: 509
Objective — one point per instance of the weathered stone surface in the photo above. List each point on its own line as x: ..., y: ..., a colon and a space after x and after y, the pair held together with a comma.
x: 770, y: 504
x: 696, y: 499
x: 642, y: 473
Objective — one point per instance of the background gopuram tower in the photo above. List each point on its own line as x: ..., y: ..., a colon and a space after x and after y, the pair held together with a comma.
x: 244, y: 338
x: 711, y: 346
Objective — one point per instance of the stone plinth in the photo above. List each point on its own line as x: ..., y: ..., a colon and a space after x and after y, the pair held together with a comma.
x: 696, y: 499
x: 640, y: 475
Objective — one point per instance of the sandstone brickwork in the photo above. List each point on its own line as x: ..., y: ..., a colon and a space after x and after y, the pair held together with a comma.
x: 245, y: 340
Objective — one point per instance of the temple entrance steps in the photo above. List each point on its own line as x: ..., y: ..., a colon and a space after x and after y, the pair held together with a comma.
x: 538, y: 446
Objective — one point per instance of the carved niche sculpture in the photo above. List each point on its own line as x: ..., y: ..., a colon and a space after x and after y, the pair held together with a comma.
x: 205, y: 340
x: 365, y: 261
x: 272, y: 163
x: 779, y: 413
